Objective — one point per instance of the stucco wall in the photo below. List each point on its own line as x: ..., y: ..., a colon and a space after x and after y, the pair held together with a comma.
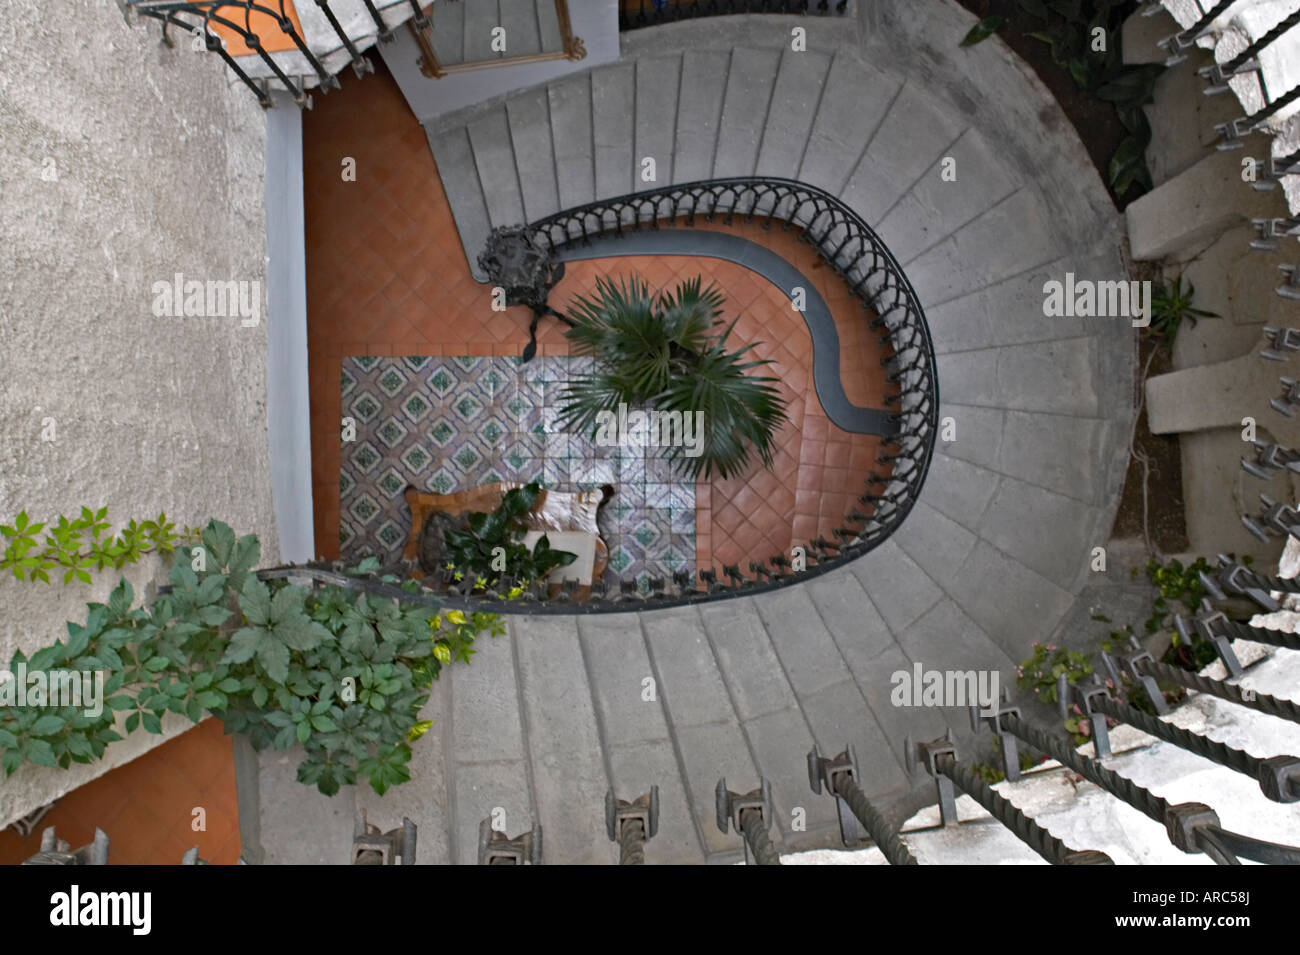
x: 121, y: 164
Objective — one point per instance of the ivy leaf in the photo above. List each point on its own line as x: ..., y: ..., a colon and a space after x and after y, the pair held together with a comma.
x: 982, y: 31
x: 255, y: 602
x: 323, y: 724
x: 300, y: 632
x: 211, y: 700
x: 120, y: 600
x: 219, y: 539
x: 48, y: 725
x: 242, y: 646
x: 41, y: 753
x: 274, y: 657
x: 244, y: 558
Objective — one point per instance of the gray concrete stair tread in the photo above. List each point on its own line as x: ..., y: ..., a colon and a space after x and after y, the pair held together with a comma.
x: 704, y: 76
x: 796, y: 96
x: 485, y: 751
x: 1011, y: 238
x: 456, y: 167
x: 938, y: 204
x: 613, y: 110
x: 494, y: 155
x: 480, y: 19
x: 744, y: 110
x: 530, y: 137
x: 913, y: 135
x: 449, y: 32
x: 657, y: 92
x: 564, y: 747
x: 846, y: 121
x: 523, y: 28
x: 570, y: 110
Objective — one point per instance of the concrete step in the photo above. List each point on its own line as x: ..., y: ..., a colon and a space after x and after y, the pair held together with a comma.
x: 796, y: 95
x: 704, y: 77
x: 575, y: 169
x: 448, y: 28
x: 485, y: 758
x: 480, y: 19
x: 564, y: 748
x: 706, y: 729
x: 613, y: 126
x: 531, y: 142
x: 658, y: 82
x: 745, y: 103
x: 639, y: 749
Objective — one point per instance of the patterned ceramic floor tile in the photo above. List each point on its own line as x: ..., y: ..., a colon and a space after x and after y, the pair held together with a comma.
x: 446, y: 424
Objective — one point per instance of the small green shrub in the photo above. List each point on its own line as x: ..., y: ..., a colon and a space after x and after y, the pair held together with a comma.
x: 493, y: 544
x: 1171, y: 305
x: 1039, y: 674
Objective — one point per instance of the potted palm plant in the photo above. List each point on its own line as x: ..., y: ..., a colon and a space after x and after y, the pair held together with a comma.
x: 668, y: 350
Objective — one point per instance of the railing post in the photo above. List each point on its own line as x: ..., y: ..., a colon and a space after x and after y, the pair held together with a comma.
x: 370, y: 846
x: 940, y: 758
x: 632, y: 824
x: 55, y: 851
x: 839, y: 776
x: 751, y: 815
x: 495, y: 848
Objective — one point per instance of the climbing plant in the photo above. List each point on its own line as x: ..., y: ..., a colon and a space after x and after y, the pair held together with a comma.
x: 77, y: 545
x: 339, y: 671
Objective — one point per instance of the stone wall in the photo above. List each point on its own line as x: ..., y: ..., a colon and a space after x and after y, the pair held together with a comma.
x: 122, y: 163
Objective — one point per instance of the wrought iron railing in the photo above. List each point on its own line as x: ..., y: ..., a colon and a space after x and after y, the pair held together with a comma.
x: 1237, y: 133
x: 645, y: 13
x: 890, y: 307
x: 255, y: 24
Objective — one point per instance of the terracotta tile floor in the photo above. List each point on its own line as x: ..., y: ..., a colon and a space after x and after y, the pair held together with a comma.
x: 386, y: 275
x: 146, y: 807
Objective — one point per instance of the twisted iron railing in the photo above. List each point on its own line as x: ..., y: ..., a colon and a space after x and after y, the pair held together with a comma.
x: 890, y: 307
x: 633, y: 14
x: 256, y: 23
x: 1236, y: 133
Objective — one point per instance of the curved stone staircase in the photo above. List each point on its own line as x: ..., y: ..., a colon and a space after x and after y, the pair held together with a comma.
x: 994, y: 554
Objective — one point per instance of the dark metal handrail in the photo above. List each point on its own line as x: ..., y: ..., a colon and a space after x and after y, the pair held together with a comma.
x: 872, y: 274
x: 199, y: 15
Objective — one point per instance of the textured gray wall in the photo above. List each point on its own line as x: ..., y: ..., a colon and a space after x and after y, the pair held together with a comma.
x: 159, y: 167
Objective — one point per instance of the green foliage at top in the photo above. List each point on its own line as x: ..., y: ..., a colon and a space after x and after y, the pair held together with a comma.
x: 77, y: 545
x: 495, y: 541
x: 1094, y: 62
x: 669, y: 351
x: 339, y: 671
x: 1170, y: 305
